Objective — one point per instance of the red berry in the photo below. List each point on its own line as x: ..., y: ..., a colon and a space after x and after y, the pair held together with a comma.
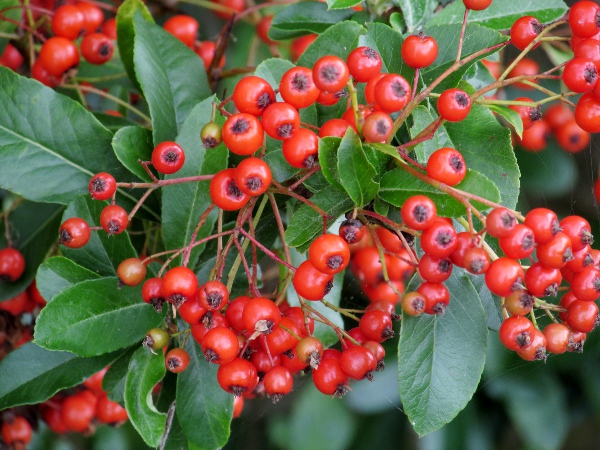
x: 437, y: 297
x: 278, y: 382
x: 378, y: 127
x: 516, y: 333
x: 225, y: 192
x: 334, y: 128
x: 556, y: 253
x: 571, y: 137
x: 78, y: 411
x: 16, y: 305
x: 500, y: 222
x: 519, y: 303
x: 262, y: 30
x: 579, y: 231
x: 582, y: 316
x: 252, y: 95
x: 114, y: 219
x: 535, y: 138
x: 330, y: 73
x: 476, y: 261
x: 17, y: 431
x: 74, y: 233
x: 253, y: 176
x: 310, y: 283
x: 299, y: 45
x: 152, y: 293
x: 419, y: 51
x: 280, y: 120
x: 376, y: 326
x: 544, y: 224
x: 68, y: 22
x: 580, y: 75
x: 435, y: 269
x: 301, y: 150
x: 413, y: 303
x: 584, y: 19
x: 261, y: 314
x: 12, y: 264
x: 110, y: 412
x: 364, y: 63
x: 504, y: 276
x: 358, y: 362
x: 97, y: 48
x: 418, y: 212
x: 587, y: 113
x: 242, y: 134
x: 298, y: 88
x: 213, y: 295
x: 179, y: 285
x: 177, y: 360
x: 586, y: 284
x: 392, y: 93
x: 542, y: 281
x: 352, y: 231
x: 528, y: 67
x: 329, y: 378
x: 102, y: 186
x: 168, y: 157
x: 131, y: 271
x: 93, y: 16
x: 557, y: 338
x: 329, y: 254
x: 220, y: 345
x: 524, y: 31
x: 447, y: 166
x: 536, y: 351
x: 529, y: 114
x: 183, y: 27
x: 558, y: 115
x: 237, y: 377
x: 519, y: 243
x: 439, y: 239
x: 11, y: 58
x: 477, y: 5
x: 454, y: 105
x: 58, y: 54
x: 206, y: 51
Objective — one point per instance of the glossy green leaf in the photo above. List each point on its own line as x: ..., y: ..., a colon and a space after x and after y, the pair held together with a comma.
x: 203, y: 409
x: 355, y: 171
x: 271, y: 70
x: 486, y: 147
x: 6, y: 26
x: 422, y: 118
x: 397, y: 186
x: 126, y: 33
x: 342, y: 4
x: 95, y: 317
x: 338, y: 40
x: 184, y: 203
x: 303, y: 18
x: 479, y: 76
x: 33, y: 230
x: 476, y: 38
x: 114, y: 379
x: 131, y: 144
x: 32, y: 374
x: 307, y: 224
x: 113, y: 123
x: 59, y: 273
x: 501, y: 14
x: 328, y: 157
x: 416, y: 13
x: 172, y: 78
x: 387, y: 42
x: 63, y: 143
x: 103, y: 253
x: 145, y: 371
x: 440, y: 359
x: 512, y: 117
x: 280, y: 168
x: 489, y: 301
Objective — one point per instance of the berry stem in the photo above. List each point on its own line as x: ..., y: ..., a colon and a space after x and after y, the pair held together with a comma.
x: 169, y: 182
x: 203, y: 217
x: 287, y: 191
x: 425, y: 135
x: 280, y: 227
x: 110, y: 97
x: 253, y: 288
x: 321, y: 318
x: 268, y: 252
x: 306, y: 176
x: 390, y: 223
x: 168, y: 424
x: 461, y: 39
x: 343, y: 311
x: 220, y: 46
x: 354, y: 101
x: 140, y: 203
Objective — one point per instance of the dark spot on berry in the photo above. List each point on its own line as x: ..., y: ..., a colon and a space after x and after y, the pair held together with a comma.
x: 289, y: 354
x: 330, y: 73
x: 264, y: 100
x: 540, y: 354
x: 526, y: 300
x: 240, y: 126
x: 380, y: 365
x: 574, y: 139
x: 254, y: 183
x: 535, y: 114
x: 398, y: 89
x: 369, y: 375
x: 371, y: 54
x: 551, y: 290
x: 210, y: 142
x: 387, y: 333
x: 328, y: 288
x: 477, y: 265
x: 173, y: 363
x: 443, y: 238
x: 207, y: 320
x: 587, y: 259
x: 382, y: 127
x: 439, y: 308
x: 238, y: 391
x: 340, y: 94
x: 418, y: 304
x: 104, y: 49
x: 234, y: 191
x: 178, y: 299
x: 568, y: 256
x: 456, y: 163
x: 518, y: 284
x: 170, y: 156
x: 508, y: 220
x: 597, y: 320
x: 285, y: 131
x: 311, y: 161
x: 300, y: 82
x: 586, y: 237
x: 536, y: 26
x: 148, y: 341
x: 99, y: 185
x: 340, y: 391
x: 523, y: 339
x: 596, y: 284
x: 210, y: 355
x: 575, y: 347
x: 421, y: 213
x: 157, y: 303
x: 555, y: 227
x: 276, y: 397
x: 462, y: 99
x: 445, y: 265
x: 214, y: 299
x: 528, y: 241
x: 590, y: 74
x: 114, y: 227
x: 334, y: 262
x: 64, y: 236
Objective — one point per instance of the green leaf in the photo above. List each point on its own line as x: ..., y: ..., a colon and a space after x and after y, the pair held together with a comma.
x: 59, y: 273
x: 416, y: 13
x: 397, y: 186
x: 172, y: 78
x: 31, y: 374
x: 338, y: 40
x: 328, y: 151
x: 6, y: 26
x: 440, y: 359
x: 184, y: 203
x: 126, y: 33
x: 34, y: 230
x: 63, y: 144
x: 342, y: 4
x: 280, y: 168
x: 355, y: 171
x: 114, y: 379
x: 304, y: 18
x: 479, y: 76
x: 511, y: 117
x: 489, y: 301
x: 387, y: 42
x: 204, y: 410
x: 476, y: 38
x: 103, y: 253
x: 113, y: 123
x: 271, y: 70
x: 422, y: 118
x: 501, y: 14
x: 145, y: 371
x: 132, y: 144
x: 95, y: 317
x: 306, y: 224
x: 486, y: 148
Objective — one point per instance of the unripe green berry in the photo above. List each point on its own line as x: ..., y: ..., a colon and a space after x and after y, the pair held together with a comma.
x: 156, y: 339
x: 211, y: 135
